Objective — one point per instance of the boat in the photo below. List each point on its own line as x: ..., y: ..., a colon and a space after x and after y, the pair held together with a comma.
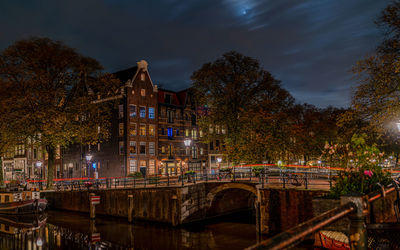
x: 21, y: 202
x: 332, y: 240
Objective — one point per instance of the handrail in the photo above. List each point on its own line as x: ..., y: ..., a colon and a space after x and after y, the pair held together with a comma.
x: 295, y: 235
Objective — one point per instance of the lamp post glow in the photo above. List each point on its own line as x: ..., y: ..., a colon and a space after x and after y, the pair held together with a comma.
x: 88, y: 159
x: 39, y: 166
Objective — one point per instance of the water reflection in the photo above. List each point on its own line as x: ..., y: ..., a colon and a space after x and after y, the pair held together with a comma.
x: 66, y: 230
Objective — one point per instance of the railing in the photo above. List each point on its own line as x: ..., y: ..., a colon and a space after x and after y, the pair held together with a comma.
x: 354, y: 207
x: 272, y: 177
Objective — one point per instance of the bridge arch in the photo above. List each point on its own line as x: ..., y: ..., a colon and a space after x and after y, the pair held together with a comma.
x: 233, y: 185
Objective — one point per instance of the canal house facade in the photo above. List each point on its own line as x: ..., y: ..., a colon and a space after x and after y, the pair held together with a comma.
x: 149, y: 129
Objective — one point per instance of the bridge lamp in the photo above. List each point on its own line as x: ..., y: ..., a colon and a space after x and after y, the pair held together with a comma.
x: 187, y: 142
x: 88, y: 157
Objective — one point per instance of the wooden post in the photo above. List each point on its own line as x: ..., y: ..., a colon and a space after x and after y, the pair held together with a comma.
x: 130, y: 208
x: 92, y: 207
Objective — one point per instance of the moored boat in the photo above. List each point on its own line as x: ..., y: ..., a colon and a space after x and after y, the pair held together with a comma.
x: 21, y: 202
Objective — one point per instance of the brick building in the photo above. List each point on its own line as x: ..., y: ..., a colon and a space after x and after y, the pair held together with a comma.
x: 148, y: 133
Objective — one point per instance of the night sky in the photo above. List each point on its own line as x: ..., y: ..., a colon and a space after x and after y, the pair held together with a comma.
x: 309, y: 45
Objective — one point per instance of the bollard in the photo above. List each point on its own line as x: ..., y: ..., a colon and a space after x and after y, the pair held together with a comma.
x: 130, y: 208
x: 305, y: 180
x: 92, y: 207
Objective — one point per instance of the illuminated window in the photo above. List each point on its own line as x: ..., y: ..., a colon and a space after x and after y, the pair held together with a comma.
x: 132, y: 147
x: 151, y: 148
x: 132, y: 129
x: 194, y: 134
x: 223, y: 130
x: 152, y: 130
x: 201, y: 133
x: 170, y: 115
x: 151, y: 113
x: 132, y: 166
x: 187, y: 132
x: 163, y: 149
x: 142, y: 111
x: 211, y: 129
x: 170, y: 133
x: 143, y: 92
x: 121, y: 129
x: 152, y: 166
x: 121, y: 148
x: 132, y: 110
x: 142, y: 77
x: 120, y: 111
x: 142, y: 129
x: 201, y: 151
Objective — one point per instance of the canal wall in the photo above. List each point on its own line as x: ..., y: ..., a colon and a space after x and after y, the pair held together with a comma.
x: 276, y: 209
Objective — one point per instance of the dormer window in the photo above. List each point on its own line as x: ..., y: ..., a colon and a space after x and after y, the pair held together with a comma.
x: 143, y: 92
x: 168, y: 98
x: 142, y: 77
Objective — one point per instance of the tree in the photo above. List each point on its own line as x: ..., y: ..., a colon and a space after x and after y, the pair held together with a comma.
x: 376, y: 101
x: 233, y: 89
x: 48, y: 90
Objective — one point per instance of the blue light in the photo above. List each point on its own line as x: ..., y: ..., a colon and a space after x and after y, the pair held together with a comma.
x: 169, y: 132
x: 94, y: 165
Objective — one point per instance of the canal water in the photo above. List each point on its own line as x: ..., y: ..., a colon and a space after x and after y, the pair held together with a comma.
x: 68, y: 230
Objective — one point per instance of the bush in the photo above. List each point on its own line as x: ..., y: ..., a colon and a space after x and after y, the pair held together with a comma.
x: 257, y: 170
x: 136, y: 175
x: 360, y: 163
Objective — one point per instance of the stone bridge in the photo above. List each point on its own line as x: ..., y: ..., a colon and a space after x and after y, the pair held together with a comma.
x: 276, y: 209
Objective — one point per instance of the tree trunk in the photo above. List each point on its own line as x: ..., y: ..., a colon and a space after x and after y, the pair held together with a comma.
x: 50, y: 165
x: 1, y: 172
x: 397, y: 159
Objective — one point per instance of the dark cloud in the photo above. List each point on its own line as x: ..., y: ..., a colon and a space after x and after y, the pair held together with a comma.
x: 309, y: 45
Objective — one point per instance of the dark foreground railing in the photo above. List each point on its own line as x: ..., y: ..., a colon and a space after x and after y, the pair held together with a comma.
x: 355, y: 207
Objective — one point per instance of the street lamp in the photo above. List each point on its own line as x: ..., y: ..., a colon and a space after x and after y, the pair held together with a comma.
x: 88, y: 159
x: 39, y: 165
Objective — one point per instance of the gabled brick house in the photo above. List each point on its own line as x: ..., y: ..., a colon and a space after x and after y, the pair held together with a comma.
x: 148, y: 131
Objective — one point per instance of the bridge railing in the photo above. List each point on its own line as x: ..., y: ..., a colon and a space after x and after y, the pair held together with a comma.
x: 355, y: 208
x: 284, y: 179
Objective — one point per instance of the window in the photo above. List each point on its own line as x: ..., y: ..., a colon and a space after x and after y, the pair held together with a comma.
x: 194, y: 120
x: 201, y: 151
x: 132, y: 166
x: 121, y: 148
x: 121, y: 111
x: 162, y: 131
x: 163, y: 149
x: 211, y: 145
x: 170, y: 115
x: 187, y: 132
x: 187, y: 150
x: 121, y: 129
x: 217, y: 143
x: 194, y: 152
x: 142, y: 112
x: 168, y: 98
x: 152, y: 130
x: 177, y: 132
x: 132, y: 129
x: 217, y: 131
x: 201, y: 133
x: 211, y: 129
x: 142, y: 76
x: 152, y: 166
x: 223, y: 130
x: 151, y: 113
x: 132, y: 111
x: 170, y: 133
x: 142, y: 130
x: 143, y: 92
x: 170, y: 150
x: 194, y: 134
x: 142, y: 148
x: 132, y: 147
x: 143, y: 164
x: 151, y: 148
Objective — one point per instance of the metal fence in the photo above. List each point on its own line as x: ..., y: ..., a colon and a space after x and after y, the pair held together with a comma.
x: 376, y: 236
x: 270, y: 177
